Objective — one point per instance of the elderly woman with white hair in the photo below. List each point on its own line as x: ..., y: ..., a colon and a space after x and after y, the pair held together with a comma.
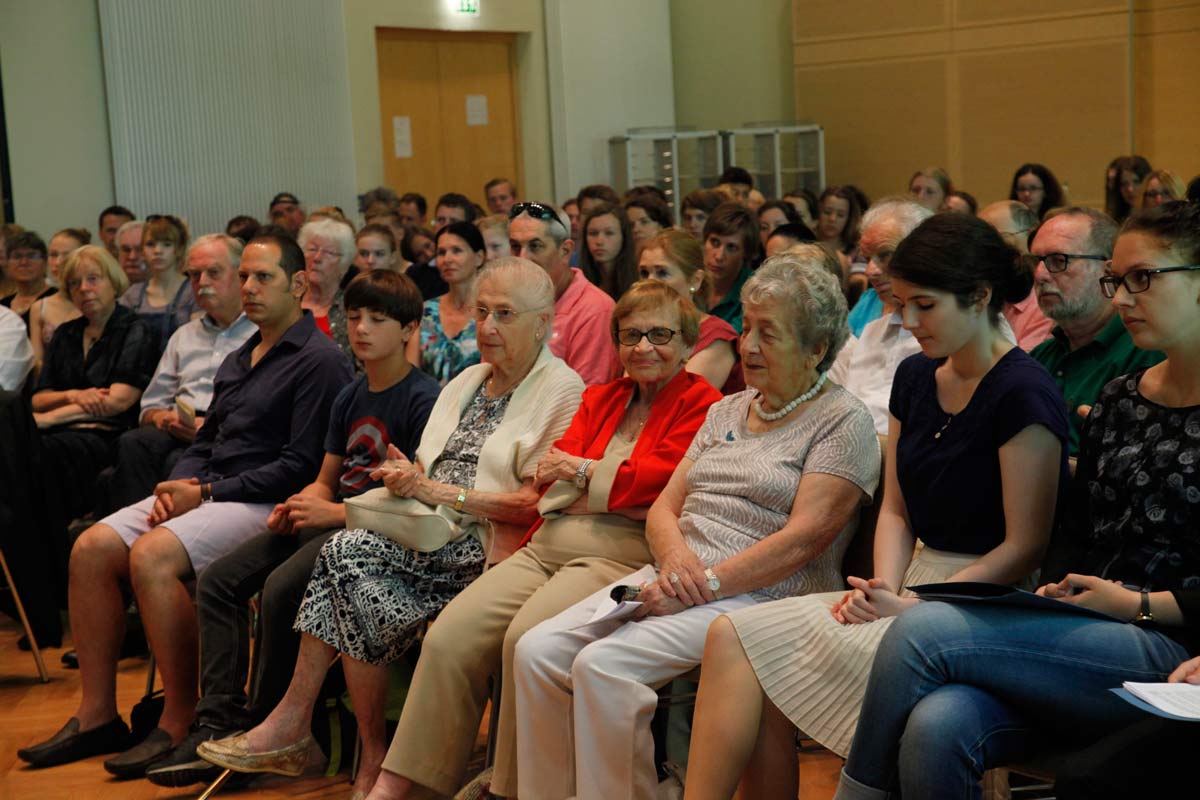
x: 473, y: 482
x: 761, y: 507
x: 329, y: 251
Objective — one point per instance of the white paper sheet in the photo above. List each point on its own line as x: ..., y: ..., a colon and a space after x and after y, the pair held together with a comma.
x: 402, y: 137
x: 1178, y: 699
x: 477, y: 109
x: 610, y: 610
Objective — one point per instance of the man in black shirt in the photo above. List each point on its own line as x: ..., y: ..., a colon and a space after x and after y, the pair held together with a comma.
x: 261, y: 442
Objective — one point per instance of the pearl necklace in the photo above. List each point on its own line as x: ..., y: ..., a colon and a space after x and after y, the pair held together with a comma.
x: 790, y: 407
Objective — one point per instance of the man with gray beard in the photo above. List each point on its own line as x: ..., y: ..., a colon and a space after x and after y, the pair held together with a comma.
x: 174, y: 403
x: 1088, y: 346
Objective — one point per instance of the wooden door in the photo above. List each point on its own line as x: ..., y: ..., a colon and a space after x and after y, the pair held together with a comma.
x: 448, y: 111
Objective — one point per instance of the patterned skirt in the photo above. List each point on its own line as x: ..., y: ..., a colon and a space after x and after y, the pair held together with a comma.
x: 369, y: 597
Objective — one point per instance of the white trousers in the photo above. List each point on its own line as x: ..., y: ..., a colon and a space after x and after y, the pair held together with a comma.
x: 585, y: 696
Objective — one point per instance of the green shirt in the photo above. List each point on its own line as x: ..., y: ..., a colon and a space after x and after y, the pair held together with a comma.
x: 730, y: 307
x: 1082, y: 373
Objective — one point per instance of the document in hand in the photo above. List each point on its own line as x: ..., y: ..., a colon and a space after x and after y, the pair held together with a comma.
x: 1179, y: 701
x: 996, y: 594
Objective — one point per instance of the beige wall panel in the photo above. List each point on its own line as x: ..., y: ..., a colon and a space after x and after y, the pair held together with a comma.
x: 1010, y: 112
x: 968, y: 12
x: 817, y: 19
x: 873, y: 48
x: 1008, y: 36
x: 1168, y: 100
x: 882, y: 121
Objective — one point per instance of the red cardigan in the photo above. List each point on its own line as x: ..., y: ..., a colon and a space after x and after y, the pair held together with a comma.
x: 676, y: 414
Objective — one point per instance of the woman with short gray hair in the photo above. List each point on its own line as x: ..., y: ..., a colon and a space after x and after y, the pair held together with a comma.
x: 329, y: 251
x: 761, y: 507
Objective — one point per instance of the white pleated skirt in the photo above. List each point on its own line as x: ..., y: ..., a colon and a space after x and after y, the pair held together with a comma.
x: 815, y: 669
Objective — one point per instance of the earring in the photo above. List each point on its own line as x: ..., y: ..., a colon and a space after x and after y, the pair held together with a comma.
x: 692, y: 289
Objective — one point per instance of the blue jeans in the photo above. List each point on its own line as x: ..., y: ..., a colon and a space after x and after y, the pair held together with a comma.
x: 958, y: 689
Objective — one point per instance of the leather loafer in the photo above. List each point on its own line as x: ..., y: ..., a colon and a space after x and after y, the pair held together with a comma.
x: 234, y: 753
x: 69, y: 744
x: 134, y: 761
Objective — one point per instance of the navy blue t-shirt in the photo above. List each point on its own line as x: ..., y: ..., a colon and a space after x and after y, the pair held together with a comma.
x: 951, y: 482
x: 363, y: 423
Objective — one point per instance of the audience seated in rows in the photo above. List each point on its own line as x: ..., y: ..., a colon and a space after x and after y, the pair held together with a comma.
x: 957, y: 689
x: 976, y: 462
x: 761, y: 507
x: 385, y: 410
x: 175, y: 402
x: 261, y: 442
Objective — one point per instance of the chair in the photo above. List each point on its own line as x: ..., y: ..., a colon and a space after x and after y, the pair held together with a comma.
x: 33, y: 645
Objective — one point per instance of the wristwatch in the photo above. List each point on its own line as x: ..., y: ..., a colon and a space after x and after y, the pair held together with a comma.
x: 581, y: 476
x: 714, y: 583
x: 1145, y: 614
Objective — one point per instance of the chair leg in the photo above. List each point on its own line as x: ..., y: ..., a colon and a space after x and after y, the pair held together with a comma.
x: 216, y: 785
x: 493, y: 720
x: 33, y: 645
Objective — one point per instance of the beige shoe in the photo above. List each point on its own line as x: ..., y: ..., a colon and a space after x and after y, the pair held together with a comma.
x: 233, y: 753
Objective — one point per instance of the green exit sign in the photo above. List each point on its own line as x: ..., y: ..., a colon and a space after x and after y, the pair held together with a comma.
x: 468, y: 6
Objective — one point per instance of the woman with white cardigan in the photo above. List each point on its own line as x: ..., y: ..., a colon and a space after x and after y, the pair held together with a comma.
x: 370, y: 596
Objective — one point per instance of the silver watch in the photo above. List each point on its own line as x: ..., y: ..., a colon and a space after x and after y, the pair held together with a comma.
x: 714, y: 583
x: 581, y: 476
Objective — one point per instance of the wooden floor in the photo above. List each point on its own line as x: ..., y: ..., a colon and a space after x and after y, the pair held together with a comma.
x: 30, y: 711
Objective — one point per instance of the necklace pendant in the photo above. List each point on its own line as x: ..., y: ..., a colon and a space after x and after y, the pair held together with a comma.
x: 937, y: 435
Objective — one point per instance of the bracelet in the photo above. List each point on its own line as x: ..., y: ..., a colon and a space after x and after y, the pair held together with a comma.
x: 205, y: 492
x: 461, y: 500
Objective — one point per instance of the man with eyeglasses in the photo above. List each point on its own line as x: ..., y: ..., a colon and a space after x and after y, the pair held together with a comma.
x: 579, y: 336
x: 1013, y: 221
x: 1088, y: 346
x: 129, y: 251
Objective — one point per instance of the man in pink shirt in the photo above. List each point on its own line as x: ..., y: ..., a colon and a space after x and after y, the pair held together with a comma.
x: 580, y: 333
x: 1014, y: 222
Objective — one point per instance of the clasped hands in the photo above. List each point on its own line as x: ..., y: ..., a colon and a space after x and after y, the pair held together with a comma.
x: 305, y: 511
x: 174, y: 499
x: 402, y: 477
x: 868, y: 601
x: 665, y: 596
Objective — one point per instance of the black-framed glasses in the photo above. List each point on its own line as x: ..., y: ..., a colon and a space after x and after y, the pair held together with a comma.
x: 1057, y: 262
x: 1137, y: 281
x: 631, y: 336
x: 537, y: 211
x: 503, y: 316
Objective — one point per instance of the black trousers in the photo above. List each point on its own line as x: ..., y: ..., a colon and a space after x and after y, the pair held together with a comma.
x: 280, y: 566
x: 145, y: 456
x: 47, y: 478
x: 1151, y: 759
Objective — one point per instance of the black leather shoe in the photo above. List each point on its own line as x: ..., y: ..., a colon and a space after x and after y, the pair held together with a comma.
x: 134, y: 761
x: 182, y: 767
x: 69, y: 744
x: 70, y: 660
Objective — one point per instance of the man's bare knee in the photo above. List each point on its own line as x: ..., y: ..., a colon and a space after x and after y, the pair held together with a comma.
x: 157, y: 556
x: 100, y: 550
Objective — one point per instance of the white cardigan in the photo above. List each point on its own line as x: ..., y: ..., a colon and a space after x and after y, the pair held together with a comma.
x: 538, y: 413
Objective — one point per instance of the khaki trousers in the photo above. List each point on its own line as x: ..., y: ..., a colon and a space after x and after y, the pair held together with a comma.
x: 568, y: 559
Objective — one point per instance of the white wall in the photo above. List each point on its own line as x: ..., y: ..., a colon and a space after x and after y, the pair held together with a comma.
x: 610, y: 70
x: 55, y: 111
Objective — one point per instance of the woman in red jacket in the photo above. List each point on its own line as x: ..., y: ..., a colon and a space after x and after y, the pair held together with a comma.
x: 601, y: 477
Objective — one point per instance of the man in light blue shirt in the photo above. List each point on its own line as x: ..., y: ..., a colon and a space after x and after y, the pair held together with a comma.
x: 181, y: 390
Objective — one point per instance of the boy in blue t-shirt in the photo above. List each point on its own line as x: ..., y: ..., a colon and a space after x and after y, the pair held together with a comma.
x: 388, y: 405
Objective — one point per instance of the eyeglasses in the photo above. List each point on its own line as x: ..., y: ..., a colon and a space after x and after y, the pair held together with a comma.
x: 1057, y: 262
x: 631, y: 336
x: 537, y: 211
x: 313, y: 250
x: 25, y: 255
x: 1137, y: 281
x: 503, y: 316
x: 1157, y: 194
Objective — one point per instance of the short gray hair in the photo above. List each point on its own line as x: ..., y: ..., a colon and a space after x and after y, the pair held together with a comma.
x: 331, y: 229
x: 1102, y: 229
x: 527, y: 278
x: 128, y: 226
x: 811, y: 298
x: 907, y: 213
x: 233, y: 247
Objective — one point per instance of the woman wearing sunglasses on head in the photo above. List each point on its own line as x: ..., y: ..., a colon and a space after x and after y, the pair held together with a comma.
x: 958, y: 689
